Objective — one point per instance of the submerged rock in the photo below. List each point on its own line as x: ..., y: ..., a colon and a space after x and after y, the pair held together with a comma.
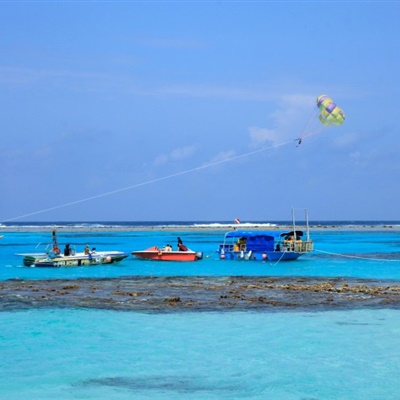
x: 176, y: 294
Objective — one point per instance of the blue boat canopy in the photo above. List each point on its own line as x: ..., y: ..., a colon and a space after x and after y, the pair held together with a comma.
x: 256, y: 241
x: 247, y: 234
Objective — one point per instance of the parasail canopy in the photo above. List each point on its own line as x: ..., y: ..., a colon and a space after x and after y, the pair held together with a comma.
x: 330, y: 114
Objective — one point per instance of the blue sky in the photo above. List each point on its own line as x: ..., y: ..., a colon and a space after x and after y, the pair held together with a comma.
x: 190, y: 110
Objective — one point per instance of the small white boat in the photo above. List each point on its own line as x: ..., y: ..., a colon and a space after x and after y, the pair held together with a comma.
x: 53, y: 257
x: 75, y: 260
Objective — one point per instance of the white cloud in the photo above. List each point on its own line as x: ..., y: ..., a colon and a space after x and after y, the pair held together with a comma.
x: 222, y: 156
x: 182, y: 152
x: 260, y: 136
x: 160, y: 160
x: 294, y: 117
x: 179, y: 153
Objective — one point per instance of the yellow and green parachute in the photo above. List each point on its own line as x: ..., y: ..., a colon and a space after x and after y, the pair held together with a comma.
x: 330, y: 114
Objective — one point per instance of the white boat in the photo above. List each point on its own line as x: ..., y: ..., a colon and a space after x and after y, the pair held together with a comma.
x: 73, y: 260
x: 53, y: 257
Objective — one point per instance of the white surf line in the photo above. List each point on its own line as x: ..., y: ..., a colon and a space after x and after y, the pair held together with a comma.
x: 356, y: 257
x: 212, y: 164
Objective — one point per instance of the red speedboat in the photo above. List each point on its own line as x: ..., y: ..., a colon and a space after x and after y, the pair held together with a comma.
x: 157, y: 254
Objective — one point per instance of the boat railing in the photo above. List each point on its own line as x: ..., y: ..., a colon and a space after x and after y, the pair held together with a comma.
x: 225, y: 247
x: 232, y: 247
x: 303, y: 246
x: 299, y: 246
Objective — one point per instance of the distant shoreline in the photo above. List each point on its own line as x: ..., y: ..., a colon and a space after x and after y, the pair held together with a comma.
x: 195, y: 228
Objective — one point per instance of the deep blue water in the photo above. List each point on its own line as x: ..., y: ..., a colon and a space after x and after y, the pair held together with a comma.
x: 97, y: 354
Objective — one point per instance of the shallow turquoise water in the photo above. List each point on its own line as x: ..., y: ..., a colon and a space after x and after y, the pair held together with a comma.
x: 82, y: 354
x: 365, y: 254
x: 89, y: 354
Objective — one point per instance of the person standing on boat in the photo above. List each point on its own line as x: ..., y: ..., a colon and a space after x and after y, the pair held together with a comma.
x: 67, y: 250
x: 181, y: 246
x: 56, y: 249
x: 87, y: 250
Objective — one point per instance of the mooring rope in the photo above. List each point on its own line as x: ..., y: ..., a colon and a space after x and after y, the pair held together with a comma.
x: 274, y: 265
x: 356, y: 257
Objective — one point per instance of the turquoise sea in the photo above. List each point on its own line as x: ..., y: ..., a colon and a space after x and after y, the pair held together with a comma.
x: 98, y: 354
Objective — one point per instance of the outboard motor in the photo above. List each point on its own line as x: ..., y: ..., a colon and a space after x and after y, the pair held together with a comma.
x: 199, y: 255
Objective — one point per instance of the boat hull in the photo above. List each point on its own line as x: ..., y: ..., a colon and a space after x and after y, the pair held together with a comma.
x: 156, y: 254
x: 78, y: 260
x: 263, y: 256
x: 282, y: 255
